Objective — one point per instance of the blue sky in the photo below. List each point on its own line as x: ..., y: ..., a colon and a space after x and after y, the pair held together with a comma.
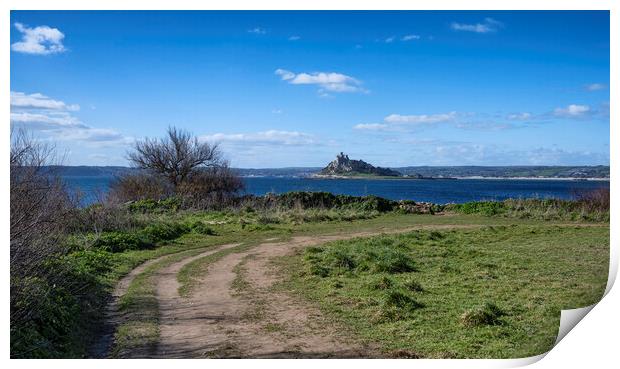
x: 282, y: 89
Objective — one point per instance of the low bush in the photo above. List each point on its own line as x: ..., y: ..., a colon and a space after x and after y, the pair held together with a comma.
x: 164, y: 231
x: 589, y: 206
x: 119, y: 242
x: 302, y: 200
x: 60, y: 318
x: 139, y: 186
x: 172, y: 203
x: 487, y: 208
x: 103, y: 217
x: 200, y: 227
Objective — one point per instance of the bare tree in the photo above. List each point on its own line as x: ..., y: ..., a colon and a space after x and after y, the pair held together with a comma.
x: 175, y: 156
x: 38, y: 200
x: 40, y: 209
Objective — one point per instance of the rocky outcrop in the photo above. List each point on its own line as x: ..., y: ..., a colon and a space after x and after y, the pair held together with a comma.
x: 343, y: 166
x: 412, y: 207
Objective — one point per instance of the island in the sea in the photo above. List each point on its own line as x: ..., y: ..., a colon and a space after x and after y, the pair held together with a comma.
x: 344, y: 167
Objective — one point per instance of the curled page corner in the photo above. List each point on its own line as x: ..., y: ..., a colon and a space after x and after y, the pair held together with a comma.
x: 569, y: 319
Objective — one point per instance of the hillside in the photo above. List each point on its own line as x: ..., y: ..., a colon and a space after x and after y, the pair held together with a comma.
x: 523, y: 171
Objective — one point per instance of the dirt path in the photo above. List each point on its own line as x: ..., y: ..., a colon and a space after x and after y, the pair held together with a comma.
x: 182, y: 322
x: 113, y: 317
x: 217, y: 321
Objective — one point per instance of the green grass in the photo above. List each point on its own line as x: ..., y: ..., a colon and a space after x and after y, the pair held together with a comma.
x: 494, y: 292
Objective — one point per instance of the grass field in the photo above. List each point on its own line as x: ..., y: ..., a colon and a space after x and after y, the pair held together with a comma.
x: 494, y: 292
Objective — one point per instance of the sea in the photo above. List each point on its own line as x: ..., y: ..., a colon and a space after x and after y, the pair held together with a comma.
x: 440, y: 191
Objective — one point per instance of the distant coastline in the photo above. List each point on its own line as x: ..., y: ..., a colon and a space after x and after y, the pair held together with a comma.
x: 605, y: 179
x: 565, y: 173
x: 353, y: 177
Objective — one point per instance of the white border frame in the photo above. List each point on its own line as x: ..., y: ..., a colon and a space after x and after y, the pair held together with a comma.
x: 592, y: 343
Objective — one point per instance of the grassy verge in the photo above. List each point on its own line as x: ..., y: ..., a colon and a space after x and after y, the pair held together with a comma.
x: 495, y: 292
x: 542, y: 209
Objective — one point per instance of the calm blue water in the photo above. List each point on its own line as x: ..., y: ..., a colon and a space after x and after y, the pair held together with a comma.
x: 438, y: 191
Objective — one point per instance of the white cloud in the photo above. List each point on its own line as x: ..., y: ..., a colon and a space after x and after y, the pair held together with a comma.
x: 573, y: 111
x: 39, y: 101
x: 41, y: 40
x: 270, y: 137
x: 294, y: 38
x: 520, y: 116
x: 372, y: 126
x: 420, y: 119
x: 403, y: 123
x: 407, y: 123
x: 489, y: 25
x: 595, y: 86
x: 94, y: 135
x: 45, y: 121
x: 285, y: 74
x: 390, y: 39
x: 55, y: 119
x: 327, y: 81
x: 470, y: 153
x: 276, y: 111
x: 258, y: 31
x: 410, y: 37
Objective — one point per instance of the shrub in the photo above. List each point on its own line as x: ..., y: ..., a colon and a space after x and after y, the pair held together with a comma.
x: 589, y: 206
x: 103, y: 217
x: 97, y: 261
x: 209, y: 188
x: 62, y: 308
x: 595, y: 200
x: 139, y: 186
x: 318, y: 200
x: 40, y: 211
x: 164, y: 231
x: 488, y: 208
x: 172, y: 203
x: 119, y: 242
x: 200, y: 227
